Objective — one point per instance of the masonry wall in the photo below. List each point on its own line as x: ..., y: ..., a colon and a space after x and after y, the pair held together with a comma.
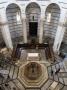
x: 15, y: 27
x: 49, y: 29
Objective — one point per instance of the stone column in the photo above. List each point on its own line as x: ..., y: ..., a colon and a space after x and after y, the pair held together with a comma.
x: 24, y: 30
x: 5, y: 30
x: 60, y: 31
x: 41, y: 31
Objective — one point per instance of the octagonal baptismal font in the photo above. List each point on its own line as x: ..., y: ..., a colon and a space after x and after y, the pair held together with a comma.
x: 33, y: 74
x: 33, y: 71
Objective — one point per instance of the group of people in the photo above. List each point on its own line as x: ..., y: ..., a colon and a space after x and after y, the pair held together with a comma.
x: 55, y: 72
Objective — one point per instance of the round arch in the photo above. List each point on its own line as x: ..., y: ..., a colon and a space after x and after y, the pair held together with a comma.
x: 52, y: 16
x: 34, y: 5
x: 9, y: 3
x: 13, y: 13
x: 33, y: 12
x: 56, y: 4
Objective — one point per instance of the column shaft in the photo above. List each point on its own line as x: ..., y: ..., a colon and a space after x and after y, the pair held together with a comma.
x: 24, y: 31
x: 60, y: 31
x: 5, y: 30
x: 41, y: 32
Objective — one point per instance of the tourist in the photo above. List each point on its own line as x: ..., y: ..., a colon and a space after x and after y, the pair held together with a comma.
x: 57, y: 71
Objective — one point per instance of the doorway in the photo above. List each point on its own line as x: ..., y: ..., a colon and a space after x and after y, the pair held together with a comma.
x: 33, y: 12
x: 33, y: 26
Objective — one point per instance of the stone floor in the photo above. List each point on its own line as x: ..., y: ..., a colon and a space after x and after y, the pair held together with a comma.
x: 14, y: 83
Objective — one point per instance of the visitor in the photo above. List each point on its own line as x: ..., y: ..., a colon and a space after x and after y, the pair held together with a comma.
x: 51, y: 72
x: 57, y: 71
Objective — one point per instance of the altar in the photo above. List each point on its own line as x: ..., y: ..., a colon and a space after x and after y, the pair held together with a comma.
x: 33, y: 56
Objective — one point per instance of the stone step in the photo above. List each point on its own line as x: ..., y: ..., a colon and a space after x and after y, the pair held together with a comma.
x: 6, y: 87
x: 47, y: 85
x: 16, y: 71
x: 33, y: 89
x: 53, y: 86
x: 59, y: 86
x: 12, y: 85
x: 11, y: 71
x: 18, y: 84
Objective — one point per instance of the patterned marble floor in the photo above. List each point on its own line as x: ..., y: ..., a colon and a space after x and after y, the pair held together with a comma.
x: 13, y: 83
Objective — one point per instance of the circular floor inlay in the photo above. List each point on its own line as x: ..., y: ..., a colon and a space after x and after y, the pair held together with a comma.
x: 32, y: 70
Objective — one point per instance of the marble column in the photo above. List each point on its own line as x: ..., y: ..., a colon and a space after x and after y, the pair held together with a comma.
x: 60, y: 31
x: 24, y: 30
x: 41, y: 31
x: 5, y: 30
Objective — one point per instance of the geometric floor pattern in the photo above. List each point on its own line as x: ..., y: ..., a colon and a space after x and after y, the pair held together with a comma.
x: 8, y: 72
x: 12, y: 82
x: 61, y: 76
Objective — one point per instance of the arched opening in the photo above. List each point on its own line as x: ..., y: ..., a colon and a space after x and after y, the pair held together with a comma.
x: 52, y: 16
x: 32, y: 16
x: 13, y: 13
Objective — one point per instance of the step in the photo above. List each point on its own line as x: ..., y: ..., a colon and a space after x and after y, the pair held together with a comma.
x: 47, y: 84
x: 16, y: 71
x: 59, y: 86
x: 11, y: 84
x: 33, y: 89
x: 7, y: 87
x: 11, y: 71
x: 18, y: 84
x: 53, y: 85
